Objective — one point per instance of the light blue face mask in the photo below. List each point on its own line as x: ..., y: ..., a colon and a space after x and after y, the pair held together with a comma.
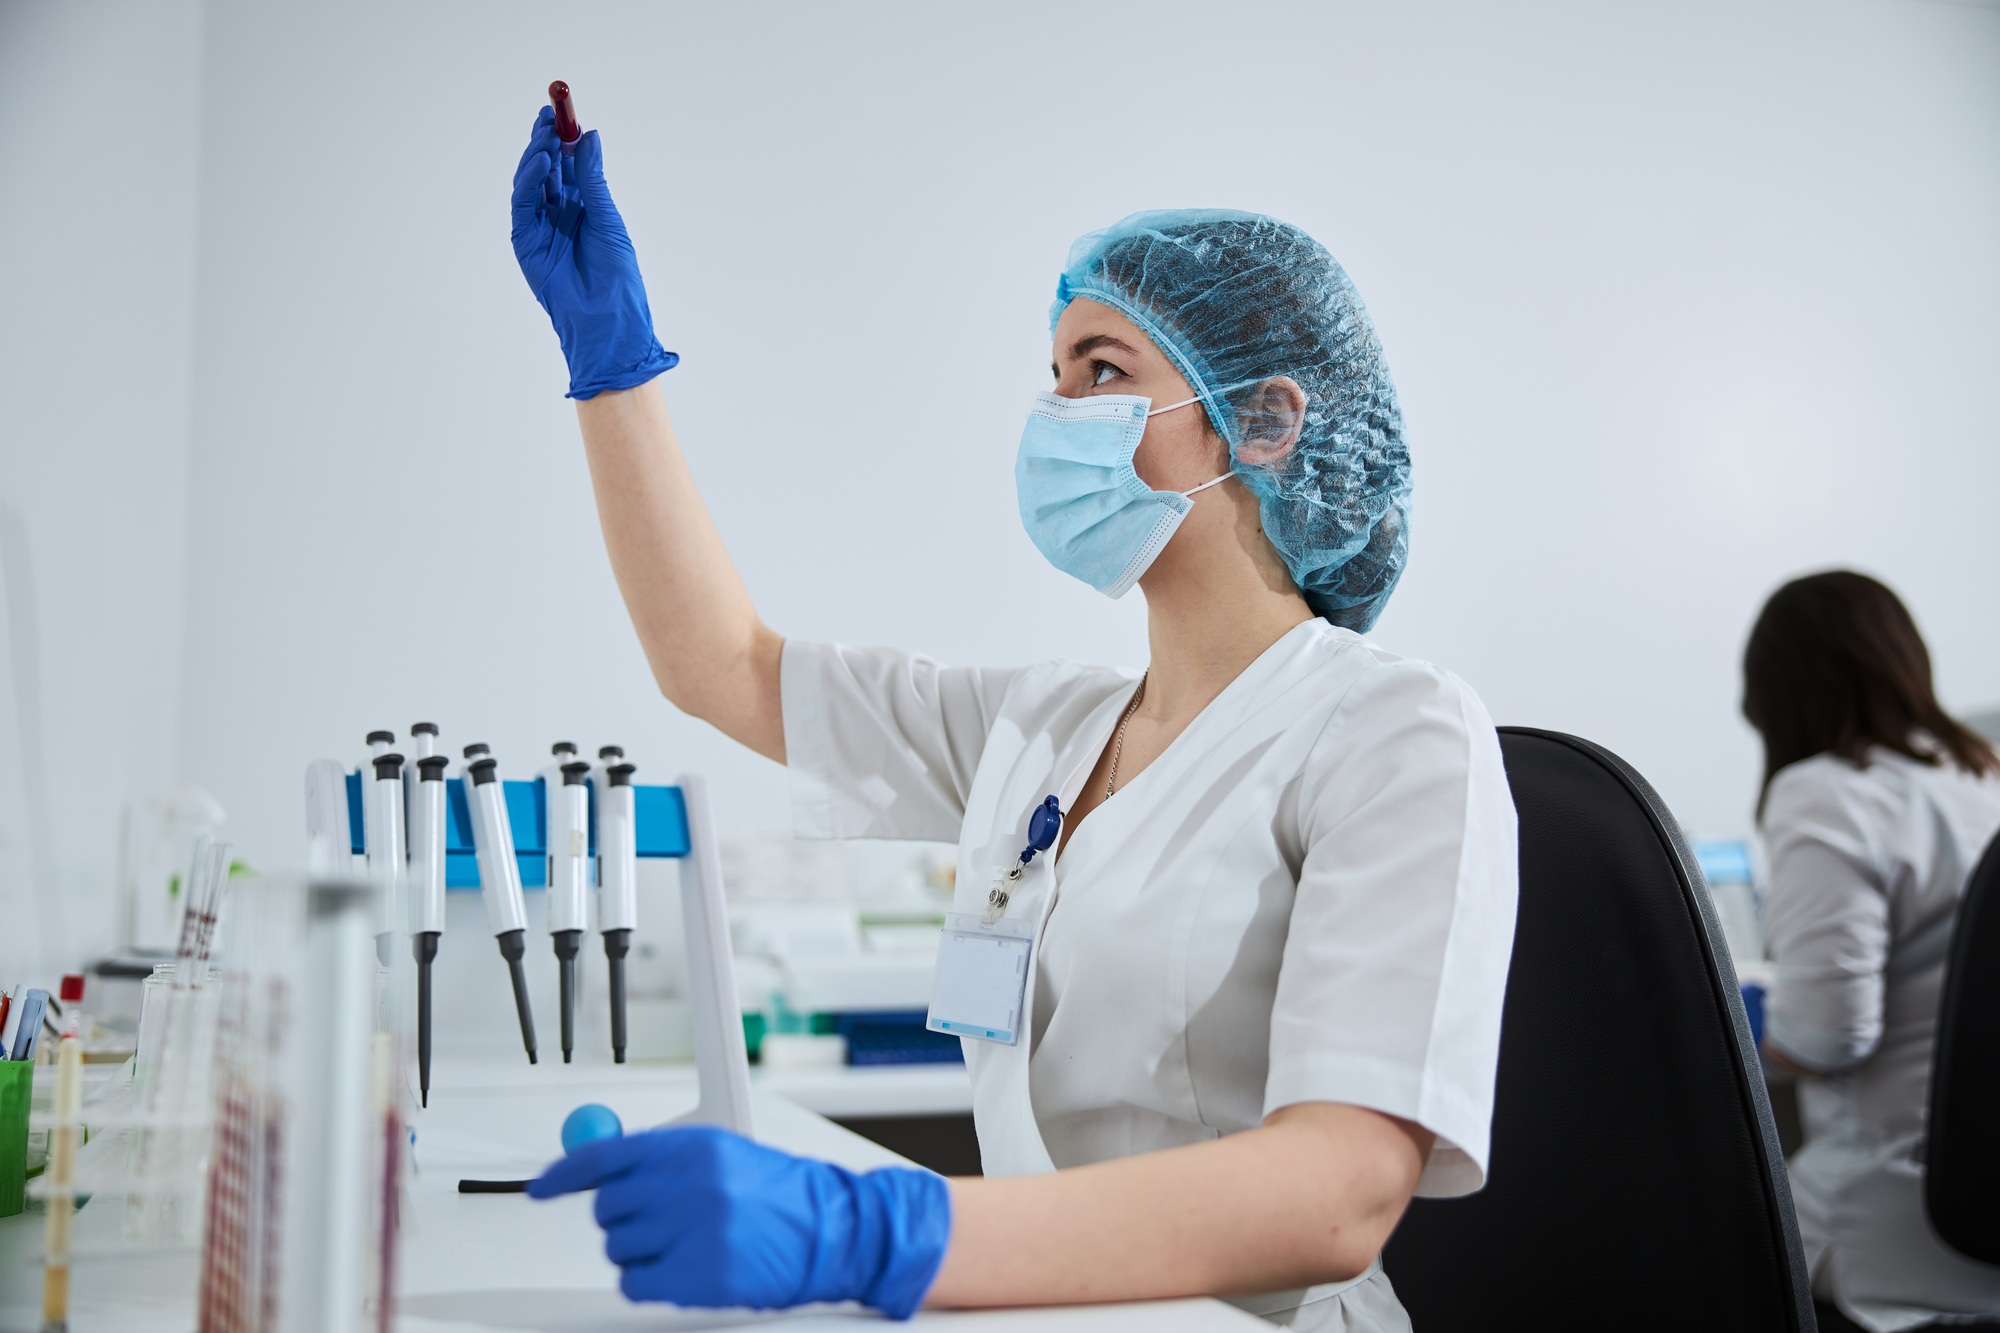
x: 1081, y: 501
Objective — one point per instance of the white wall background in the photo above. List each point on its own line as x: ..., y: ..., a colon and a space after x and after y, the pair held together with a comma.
x: 97, y: 247
x: 1682, y: 299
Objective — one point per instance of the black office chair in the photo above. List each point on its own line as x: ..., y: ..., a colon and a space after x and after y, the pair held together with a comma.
x: 1636, y: 1178
x: 1962, y: 1152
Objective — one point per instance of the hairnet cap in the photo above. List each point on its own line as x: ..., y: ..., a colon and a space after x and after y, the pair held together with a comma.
x: 1235, y: 299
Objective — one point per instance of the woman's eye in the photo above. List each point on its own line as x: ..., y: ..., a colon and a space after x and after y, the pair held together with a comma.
x: 1105, y: 373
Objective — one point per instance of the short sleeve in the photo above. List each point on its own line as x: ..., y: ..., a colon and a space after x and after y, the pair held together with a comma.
x: 1827, y: 919
x: 882, y: 743
x: 1395, y: 965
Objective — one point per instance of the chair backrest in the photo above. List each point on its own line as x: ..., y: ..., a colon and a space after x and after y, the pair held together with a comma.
x: 1962, y: 1153
x: 1636, y: 1177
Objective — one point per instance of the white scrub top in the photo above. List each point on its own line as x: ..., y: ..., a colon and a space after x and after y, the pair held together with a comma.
x: 1862, y: 860
x: 1309, y: 896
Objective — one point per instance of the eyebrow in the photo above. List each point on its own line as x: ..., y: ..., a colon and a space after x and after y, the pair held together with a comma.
x: 1083, y: 347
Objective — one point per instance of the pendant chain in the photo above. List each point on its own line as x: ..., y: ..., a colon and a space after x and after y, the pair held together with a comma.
x: 1118, y: 746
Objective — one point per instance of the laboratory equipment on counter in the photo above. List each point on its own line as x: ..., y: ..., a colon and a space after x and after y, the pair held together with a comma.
x: 428, y: 815
x: 305, y: 1164
x: 484, y: 846
x: 174, y: 1073
x: 720, y: 1059
x: 617, y: 886
x: 500, y: 877
x: 567, y: 128
x: 566, y: 807
x: 387, y: 851
x: 59, y: 1181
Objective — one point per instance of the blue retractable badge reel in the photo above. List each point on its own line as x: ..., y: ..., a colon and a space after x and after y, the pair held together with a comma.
x: 1043, y: 825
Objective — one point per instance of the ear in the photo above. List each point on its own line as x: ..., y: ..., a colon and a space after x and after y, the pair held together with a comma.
x: 1273, y: 415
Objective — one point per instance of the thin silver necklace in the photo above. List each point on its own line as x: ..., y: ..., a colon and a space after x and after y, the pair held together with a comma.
x: 1118, y: 746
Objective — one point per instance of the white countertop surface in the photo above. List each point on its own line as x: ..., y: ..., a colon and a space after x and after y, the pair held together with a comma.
x: 503, y: 1261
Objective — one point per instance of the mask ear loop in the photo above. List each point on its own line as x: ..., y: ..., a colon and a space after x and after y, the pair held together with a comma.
x: 1175, y: 407
x: 1152, y: 412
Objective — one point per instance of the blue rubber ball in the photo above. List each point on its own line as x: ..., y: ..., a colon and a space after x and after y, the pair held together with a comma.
x: 589, y: 1123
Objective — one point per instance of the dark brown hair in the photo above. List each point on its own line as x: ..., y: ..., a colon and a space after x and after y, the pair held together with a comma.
x: 1835, y: 665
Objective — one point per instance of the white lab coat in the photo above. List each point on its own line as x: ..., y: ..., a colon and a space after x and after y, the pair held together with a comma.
x: 1861, y: 861
x: 1308, y: 897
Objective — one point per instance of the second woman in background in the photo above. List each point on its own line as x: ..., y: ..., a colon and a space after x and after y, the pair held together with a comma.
x: 1876, y: 807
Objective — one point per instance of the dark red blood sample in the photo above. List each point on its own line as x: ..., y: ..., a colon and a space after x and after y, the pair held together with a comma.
x: 566, y: 127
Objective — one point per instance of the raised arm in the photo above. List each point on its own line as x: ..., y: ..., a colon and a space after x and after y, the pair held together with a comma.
x: 710, y: 654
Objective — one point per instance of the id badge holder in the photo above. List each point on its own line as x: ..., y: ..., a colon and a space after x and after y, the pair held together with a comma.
x: 982, y: 978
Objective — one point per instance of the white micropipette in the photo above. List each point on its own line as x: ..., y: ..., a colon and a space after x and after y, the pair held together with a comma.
x: 500, y: 876
x: 425, y: 803
x: 388, y: 855
x: 617, y: 882
x: 566, y: 803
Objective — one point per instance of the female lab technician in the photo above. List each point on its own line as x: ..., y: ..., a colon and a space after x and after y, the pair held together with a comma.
x: 1266, y: 957
x: 1876, y: 806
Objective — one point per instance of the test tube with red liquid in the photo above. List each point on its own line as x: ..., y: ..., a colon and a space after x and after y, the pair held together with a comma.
x: 566, y: 127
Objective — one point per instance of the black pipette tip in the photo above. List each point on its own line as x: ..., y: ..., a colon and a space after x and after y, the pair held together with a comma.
x: 424, y: 944
x: 566, y: 944
x: 513, y: 948
x: 616, y: 944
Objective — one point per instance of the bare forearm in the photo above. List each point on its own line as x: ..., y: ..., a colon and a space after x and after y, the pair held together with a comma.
x: 1310, y: 1197
x: 709, y: 652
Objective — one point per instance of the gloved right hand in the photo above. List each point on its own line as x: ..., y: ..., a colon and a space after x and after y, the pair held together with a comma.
x: 579, y: 262
x: 700, y: 1216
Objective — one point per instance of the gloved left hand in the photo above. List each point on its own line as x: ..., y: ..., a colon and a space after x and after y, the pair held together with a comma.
x: 701, y: 1216
x: 574, y: 251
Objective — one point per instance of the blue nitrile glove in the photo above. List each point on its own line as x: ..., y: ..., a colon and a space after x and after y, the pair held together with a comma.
x: 701, y: 1216
x: 581, y: 266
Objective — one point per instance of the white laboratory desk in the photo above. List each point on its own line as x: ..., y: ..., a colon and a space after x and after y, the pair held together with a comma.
x: 503, y: 1261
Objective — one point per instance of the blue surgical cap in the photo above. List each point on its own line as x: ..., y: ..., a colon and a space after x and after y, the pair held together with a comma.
x: 1235, y: 299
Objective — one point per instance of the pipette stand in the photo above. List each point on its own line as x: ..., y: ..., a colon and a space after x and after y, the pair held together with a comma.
x: 674, y: 822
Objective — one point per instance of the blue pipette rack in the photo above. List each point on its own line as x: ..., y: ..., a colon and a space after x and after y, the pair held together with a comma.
x: 660, y: 814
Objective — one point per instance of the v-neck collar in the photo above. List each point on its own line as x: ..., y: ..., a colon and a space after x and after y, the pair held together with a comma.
x: 1252, y: 675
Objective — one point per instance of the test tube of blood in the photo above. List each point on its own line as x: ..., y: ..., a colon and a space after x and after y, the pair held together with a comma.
x: 617, y: 886
x: 388, y: 859
x: 427, y: 816
x: 500, y: 877
x: 566, y: 799
x: 567, y: 129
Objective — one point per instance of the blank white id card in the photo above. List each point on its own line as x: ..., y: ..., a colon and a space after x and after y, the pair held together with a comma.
x: 982, y: 978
